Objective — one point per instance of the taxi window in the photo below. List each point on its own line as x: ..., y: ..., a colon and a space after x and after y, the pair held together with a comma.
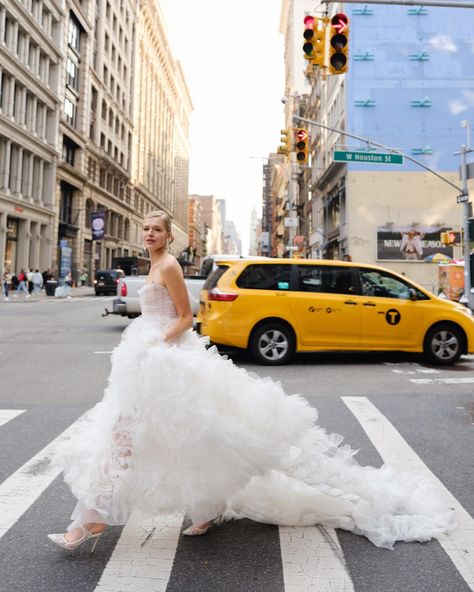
x: 326, y: 279
x: 214, y: 277
x: 265, y: 277
x: 385, y: 285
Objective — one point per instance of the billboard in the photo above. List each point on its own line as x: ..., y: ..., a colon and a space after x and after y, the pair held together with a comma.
x: 411, y: 243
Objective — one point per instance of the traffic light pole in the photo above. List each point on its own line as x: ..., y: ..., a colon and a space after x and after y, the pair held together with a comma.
x: 370, y: 143
x: 466, y: 242
x: 442, y: 4
x: 463, y: 197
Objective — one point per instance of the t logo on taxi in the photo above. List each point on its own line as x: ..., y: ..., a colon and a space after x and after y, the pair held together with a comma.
x: 392, y: 316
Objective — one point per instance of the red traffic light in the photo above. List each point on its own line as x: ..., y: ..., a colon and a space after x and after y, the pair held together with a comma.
x: 308, y: 22
x: 302, y: 134
x: 339, y: 22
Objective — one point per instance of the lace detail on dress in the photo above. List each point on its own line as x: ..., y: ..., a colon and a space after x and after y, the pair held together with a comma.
x: 156, y: 303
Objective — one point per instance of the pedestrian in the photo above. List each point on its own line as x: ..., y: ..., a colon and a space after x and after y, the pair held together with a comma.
x: 37, y: 282
x: 181, y: 427
x: 45, y: 277
x: 22, y: 283
x: 29, y: 279
x: 6, y: 281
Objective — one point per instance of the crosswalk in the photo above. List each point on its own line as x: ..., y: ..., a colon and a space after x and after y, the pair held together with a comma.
x: 148, y: 553
x: 416, y: 373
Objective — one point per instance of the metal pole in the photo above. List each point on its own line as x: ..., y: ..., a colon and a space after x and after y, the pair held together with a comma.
x: 370, y: 142
x: 443, y: 4
x: 466, y: 242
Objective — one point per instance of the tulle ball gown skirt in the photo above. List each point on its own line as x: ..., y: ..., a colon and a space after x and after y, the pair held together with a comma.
x: 181, y: 428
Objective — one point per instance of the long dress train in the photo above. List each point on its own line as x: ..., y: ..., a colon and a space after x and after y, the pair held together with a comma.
x: 182, y: 428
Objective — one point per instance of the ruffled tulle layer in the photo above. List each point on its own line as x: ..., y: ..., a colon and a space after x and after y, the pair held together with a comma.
x: 182, y: 428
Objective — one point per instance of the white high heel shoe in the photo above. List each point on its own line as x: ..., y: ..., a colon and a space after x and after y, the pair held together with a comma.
x: 59, y: 540
x: 199, y: 530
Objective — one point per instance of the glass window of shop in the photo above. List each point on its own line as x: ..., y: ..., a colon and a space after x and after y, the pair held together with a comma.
x: 11, y: 246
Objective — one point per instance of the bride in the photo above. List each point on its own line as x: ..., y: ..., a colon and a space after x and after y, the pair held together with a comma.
x: 182, y: 428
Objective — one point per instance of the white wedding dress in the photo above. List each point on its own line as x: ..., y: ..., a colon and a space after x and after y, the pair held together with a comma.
x: 182, y: 428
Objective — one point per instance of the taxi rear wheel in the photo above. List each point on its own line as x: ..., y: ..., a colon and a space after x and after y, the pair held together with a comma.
x: 272, y: 343
x: 444, y: 344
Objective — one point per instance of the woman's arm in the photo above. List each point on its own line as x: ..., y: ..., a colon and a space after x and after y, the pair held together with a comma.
x: 173, y: 279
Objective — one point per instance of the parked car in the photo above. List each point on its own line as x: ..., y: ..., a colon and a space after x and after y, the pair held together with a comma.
x: 276, y: 307
x: 106, y: 281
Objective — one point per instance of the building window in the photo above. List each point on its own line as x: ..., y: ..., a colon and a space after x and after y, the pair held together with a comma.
x: 65, y: 209
x: 69, y: 150
x: 70, y: 111
x: 74, y: 34
x: 72, y: 74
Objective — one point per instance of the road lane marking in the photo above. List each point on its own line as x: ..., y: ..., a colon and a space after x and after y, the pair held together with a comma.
x: 143, y: 557
x: 457, y: 380
x: 8, y: 414
x: 312, y: 560
x: 102, y: 352
x: 24, y: 486
x: 459, y: 545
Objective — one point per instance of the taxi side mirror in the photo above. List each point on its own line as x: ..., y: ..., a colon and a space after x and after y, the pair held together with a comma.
x: 412, y: 294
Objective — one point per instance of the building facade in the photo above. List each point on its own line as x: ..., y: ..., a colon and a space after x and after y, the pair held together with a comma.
x: 94, y: 120
x: 408, y: 89
x: 197, y: 235
x: 30, y: 101
x: 211, y: 216
x: 162, y: 109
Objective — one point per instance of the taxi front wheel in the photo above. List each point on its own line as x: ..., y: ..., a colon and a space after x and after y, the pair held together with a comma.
x: 272, y: 343
x: 443, y: 344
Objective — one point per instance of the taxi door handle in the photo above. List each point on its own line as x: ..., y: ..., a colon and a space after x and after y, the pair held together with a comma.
x: 350, y: 302
x: 369, y: 304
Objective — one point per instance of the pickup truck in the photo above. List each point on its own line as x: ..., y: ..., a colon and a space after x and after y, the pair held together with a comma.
x: 127, y: 303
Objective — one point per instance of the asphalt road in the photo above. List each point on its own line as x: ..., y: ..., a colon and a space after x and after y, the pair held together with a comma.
x: 54, y: 360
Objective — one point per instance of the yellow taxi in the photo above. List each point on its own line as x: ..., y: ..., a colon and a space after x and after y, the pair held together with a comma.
x: 276, y: 307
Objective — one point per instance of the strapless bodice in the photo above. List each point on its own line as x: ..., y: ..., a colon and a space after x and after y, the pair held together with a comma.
x: 156, y: 303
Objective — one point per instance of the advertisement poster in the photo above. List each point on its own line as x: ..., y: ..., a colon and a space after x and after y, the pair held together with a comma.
x: 98, y: 225
x: 411, y: 243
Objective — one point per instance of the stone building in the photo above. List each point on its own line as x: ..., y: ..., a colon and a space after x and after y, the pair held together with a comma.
x: 30, y: 101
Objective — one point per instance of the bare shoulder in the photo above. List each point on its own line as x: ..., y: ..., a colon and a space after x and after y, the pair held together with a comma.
x: 170, y: 266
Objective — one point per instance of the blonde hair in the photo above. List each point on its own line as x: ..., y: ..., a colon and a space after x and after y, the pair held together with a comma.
x: 166, y: 219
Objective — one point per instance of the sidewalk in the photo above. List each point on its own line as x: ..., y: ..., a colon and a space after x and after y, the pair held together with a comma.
x: 81, y: 292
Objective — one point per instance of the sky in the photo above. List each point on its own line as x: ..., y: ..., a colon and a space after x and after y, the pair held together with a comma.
x: 232, y: 57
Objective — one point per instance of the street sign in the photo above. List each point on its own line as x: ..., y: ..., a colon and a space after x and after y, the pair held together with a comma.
x: 463, y: 198
x: 290, y: 222
x: 366, y: 157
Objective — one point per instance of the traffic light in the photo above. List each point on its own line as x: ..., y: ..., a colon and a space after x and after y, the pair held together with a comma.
x: 301, y: 145
x: 314, y: 40
x: 285, y: 146
x: 339, y: 44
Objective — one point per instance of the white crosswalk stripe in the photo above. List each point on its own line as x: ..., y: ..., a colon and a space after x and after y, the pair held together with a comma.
x: 7, y: 415
x: 312, y: 558
x: 143, y: 557
x: 22, y: 488
x: 459, y: 545
x: 413, y: 369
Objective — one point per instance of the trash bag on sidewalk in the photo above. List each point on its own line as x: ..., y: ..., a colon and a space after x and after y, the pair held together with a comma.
x: 63, y: 291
